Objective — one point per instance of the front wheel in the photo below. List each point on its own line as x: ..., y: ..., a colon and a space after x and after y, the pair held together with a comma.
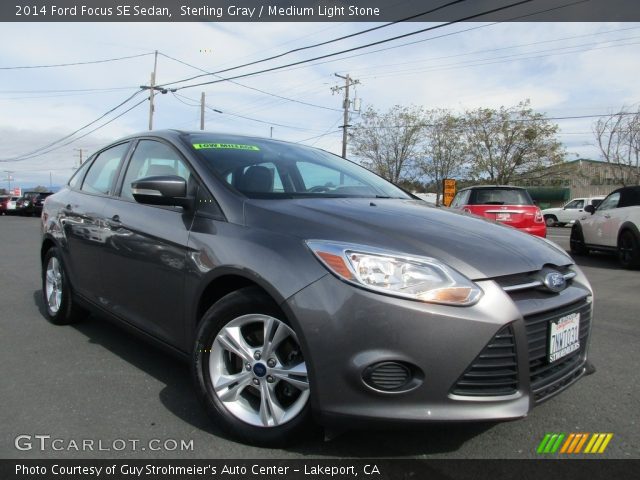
x: 250, y: 372
x: 576, y: 241
x: 629, y: 250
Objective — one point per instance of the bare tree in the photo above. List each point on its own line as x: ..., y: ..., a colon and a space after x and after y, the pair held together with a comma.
x: 506, y: 142
x: 618, y: 139
x: 445, y: 149
x: 389, y: 142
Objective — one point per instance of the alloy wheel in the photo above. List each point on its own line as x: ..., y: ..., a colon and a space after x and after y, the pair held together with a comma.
x: 257, y: 370
x: 53, y: 285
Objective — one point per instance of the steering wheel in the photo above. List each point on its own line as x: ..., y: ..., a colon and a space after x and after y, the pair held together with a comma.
x: 318, y: 189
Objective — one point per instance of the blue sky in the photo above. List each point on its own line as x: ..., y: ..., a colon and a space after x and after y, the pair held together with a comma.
x: 565, y: 69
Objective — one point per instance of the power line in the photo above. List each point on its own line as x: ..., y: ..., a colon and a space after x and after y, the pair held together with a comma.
x: 75, y: 63
x: 84, y: 135
x: 518, y: 17
x: 503, y: 59
x: 327, y: 42
x: 33, y: 153
x: 253, y: 88
x: 266, y: 122
x: 467, y: 18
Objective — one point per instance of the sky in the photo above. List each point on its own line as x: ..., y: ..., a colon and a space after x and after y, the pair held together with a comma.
x: 565, y: 69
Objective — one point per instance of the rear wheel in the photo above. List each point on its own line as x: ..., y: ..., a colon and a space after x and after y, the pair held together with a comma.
x: 58, y: 299
x: 550, y: 220
x: 576, y: 241
x: 629, y: 250
x: 249, y: 370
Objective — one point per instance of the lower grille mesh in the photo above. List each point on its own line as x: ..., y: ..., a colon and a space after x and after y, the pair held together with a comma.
x: 494, y: 372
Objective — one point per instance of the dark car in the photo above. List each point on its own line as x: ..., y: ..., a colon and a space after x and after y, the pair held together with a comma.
x: 512, y: 206
x: 300, y: 286
x: 31, y: 203
x: 8, y: 204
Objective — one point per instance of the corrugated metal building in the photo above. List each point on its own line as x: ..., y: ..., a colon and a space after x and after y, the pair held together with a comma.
x: 578, y: 178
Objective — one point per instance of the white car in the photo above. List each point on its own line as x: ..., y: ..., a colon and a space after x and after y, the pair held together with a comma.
x: 612, y: 227
x: 570, y: 212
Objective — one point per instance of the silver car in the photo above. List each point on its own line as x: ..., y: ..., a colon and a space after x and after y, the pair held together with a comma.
x: 303, y: 289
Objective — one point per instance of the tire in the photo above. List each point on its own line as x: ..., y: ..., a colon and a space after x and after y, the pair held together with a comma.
x: 629, y: 250
x: 57, y: 295
x: 268, y: 404
x: 550, y: 220
x: 576, y: 241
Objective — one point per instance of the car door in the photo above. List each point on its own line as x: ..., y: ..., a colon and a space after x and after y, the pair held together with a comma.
x: 146, y: 247
x: 600, y: 228
x: 81, y: 217
x: 571, y: 211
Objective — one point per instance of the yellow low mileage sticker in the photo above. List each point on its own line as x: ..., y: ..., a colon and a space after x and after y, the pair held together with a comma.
x: 226, y: 146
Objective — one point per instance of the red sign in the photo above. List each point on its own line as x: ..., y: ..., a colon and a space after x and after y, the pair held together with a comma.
x: 17, y: 192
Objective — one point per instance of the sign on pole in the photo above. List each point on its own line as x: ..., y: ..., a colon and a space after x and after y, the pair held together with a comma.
x: 449, y: 191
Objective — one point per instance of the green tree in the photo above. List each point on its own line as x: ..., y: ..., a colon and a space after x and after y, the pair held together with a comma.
x: 445, y: 149
x: 389, y: 142
x: 506, y: 142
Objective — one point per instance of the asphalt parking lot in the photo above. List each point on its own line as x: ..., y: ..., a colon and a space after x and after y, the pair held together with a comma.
x: 95, y: 381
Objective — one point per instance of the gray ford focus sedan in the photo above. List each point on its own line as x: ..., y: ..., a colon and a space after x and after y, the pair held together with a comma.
x: 305, y: 290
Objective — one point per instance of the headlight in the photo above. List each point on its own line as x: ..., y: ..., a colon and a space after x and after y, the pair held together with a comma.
x: 418, y: 278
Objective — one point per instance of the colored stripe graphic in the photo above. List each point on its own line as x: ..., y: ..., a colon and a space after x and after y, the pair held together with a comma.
x: 556, y: 443
x: 550, y: 443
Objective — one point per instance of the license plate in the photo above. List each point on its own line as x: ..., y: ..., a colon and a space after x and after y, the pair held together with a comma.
x: 503, y: 217
x: 564, y: 336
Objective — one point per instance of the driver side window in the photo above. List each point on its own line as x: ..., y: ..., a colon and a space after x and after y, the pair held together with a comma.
x: 610, y: 202
x: 151, y: 159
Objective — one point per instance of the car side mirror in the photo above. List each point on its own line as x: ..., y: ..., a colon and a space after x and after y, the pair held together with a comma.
x: 169, y: 190
x: 590, y: 209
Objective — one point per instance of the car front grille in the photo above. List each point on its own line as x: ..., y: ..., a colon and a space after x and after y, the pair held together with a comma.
x: 548, y: 378
x: 494, y: 372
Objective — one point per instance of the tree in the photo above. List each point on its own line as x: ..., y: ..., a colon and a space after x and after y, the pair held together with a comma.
x: 507, y: 142
x: 388, y: 143
x: 445, y: 149
x: 40, y: 188
x: 618, y: 138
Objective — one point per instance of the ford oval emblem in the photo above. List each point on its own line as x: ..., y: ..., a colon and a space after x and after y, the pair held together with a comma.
x: 555, y: 281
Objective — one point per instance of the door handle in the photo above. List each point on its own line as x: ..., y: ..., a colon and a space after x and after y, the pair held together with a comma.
x: 114, y: 222
x: 606, y: 215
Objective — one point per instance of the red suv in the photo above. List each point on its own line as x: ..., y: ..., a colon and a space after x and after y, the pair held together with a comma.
x: 509, y: 205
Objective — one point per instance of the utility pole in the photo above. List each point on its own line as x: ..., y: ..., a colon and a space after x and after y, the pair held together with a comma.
x: 79, y: 150
x: 152, y: 90
x: 202, y: 111
x: 271, y: 132
x: 9, y: 172
x: 50, y: 182
x: 348, y: 81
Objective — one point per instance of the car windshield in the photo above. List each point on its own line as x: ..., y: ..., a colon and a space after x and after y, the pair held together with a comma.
x: 261, y: 168
x: 500, y: 196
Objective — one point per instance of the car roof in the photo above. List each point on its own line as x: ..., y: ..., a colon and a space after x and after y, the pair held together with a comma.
x: 505, y: 187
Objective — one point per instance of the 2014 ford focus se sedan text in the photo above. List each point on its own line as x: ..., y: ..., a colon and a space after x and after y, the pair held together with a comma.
x: 303, y: 287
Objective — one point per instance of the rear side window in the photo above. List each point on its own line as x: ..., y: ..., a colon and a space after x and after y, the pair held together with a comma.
x: 152, y: 159
x: 500, y: 196
x: 103, y: 170
x: 461, y: 199
x: 76, y: 179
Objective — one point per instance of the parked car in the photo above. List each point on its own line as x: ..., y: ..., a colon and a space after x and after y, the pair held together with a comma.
x: 300, y: 286
x: 31, y: 203
x: 611, y: 227
x: 511, y: 206
x: 8, y: 204
x: 570, y: 212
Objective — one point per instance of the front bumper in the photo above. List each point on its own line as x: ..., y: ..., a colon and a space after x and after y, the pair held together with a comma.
x: 344, y: 330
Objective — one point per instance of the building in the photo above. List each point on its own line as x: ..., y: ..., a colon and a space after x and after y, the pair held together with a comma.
x: 556, y: 185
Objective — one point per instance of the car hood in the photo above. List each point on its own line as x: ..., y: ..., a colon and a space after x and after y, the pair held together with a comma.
x: 476, y: 247
x: 551, y: 210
